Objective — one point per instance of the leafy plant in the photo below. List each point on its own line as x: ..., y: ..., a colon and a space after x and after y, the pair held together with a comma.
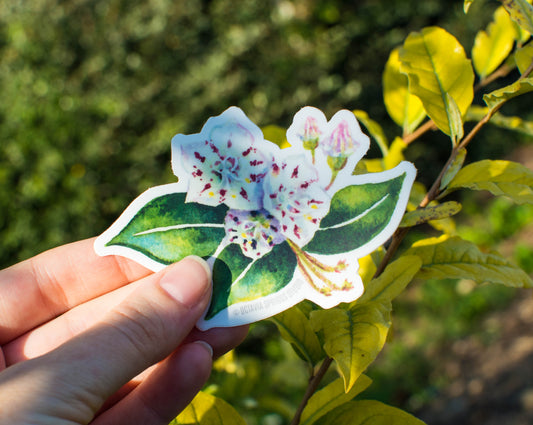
x: 429, y: 75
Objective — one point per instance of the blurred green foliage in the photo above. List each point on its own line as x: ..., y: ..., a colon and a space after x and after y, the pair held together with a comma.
x: 93, y: 91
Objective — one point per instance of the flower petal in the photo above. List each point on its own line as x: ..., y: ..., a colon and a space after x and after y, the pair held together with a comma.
x: 255, y: 231
x: 223, y: 162
x: 294, y: 197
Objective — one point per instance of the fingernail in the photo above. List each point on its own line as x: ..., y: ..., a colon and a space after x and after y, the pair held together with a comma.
x: 206, y: 346
x: 187, y: 281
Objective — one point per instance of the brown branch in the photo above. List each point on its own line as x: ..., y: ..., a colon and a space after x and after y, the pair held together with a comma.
x: 314, y: 382
x: 424, y: 128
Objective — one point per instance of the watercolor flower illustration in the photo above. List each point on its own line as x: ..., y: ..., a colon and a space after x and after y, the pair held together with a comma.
x: 277, y: 225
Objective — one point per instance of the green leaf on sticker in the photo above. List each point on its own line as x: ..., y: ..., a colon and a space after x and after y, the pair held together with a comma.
x: 295, y: 327
x: 358, y: 214
x: 369, y: 412
x: 491, y: 47
x: 437, y: 67
x: 432, y: 212
x: 206, y: 409
x: 454, y: 258
x: 506, y: 93
x: 236, y: 278
x: 521, y: 12
x: 499, y: 177
x: 353, y: 337
x: 404, y: 108
x: 167, y: 229
x: 330, y: 397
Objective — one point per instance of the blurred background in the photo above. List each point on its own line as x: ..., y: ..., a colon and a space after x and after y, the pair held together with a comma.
x: 93, y: 91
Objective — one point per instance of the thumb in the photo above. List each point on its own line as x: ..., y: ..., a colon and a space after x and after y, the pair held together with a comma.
x: 144, y: 329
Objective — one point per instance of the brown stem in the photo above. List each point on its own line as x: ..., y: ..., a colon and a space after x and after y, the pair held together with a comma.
x: 312, y: 386
x: 424, y: 128
x: 502, y: 71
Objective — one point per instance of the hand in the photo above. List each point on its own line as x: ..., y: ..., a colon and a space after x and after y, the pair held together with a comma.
x: 102, y: 340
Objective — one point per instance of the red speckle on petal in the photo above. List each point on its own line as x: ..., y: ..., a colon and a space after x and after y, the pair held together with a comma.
x: 229, y: 143
x: 275, y: 169
x: 294, y: 173
x: 243, y: 193
x: 255, y: 162
x: 199, y: 157
x: 297, y: 231
x: 206, y: 187
x: 214, y: 148
x: 247, y: 151
x: 223, y: 192
x: 304, y: 185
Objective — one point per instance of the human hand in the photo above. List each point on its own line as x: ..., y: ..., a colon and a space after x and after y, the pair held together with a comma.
x: 102, y: 340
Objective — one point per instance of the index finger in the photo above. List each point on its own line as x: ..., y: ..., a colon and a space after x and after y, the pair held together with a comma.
x: 45, y: 286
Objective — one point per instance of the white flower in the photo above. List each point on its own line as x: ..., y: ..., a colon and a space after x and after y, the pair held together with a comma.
x: 225, y: 163
x: 255, y: 231
x: 294, y: 197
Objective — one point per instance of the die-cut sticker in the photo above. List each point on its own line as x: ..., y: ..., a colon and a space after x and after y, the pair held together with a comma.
x: 277, y: 226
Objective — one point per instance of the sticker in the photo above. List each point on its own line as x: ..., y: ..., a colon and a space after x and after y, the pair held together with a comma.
x: 277, y: 226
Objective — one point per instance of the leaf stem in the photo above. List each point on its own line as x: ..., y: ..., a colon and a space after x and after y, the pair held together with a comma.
x: 312, y: 386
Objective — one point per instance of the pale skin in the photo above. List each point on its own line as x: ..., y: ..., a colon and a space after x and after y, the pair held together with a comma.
x: 102, y: 340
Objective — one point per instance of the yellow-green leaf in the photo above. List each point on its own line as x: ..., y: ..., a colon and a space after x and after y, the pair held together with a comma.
x: 476, y: 113
x: 499, y: 177
x: 396, y: 276
x: 518, y: 88
x: 524, y: 57
x: 521, y: 12
x: 467, y: 4
x: 454, y: 258
x: 395, y: 154
x: 436, y: 65
x: 353, y: 337
x: 369, y: 412
x: 206, y: 409
x: 436, y: 212
x: 295, y: 327
x: 374, y: 129
x: 491, y: 47
x: 453, y: 168
x: 404, y: 108
x: 276, y: 134
x: 330, y: 397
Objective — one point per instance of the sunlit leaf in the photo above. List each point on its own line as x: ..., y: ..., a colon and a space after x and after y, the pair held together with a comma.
x: 436, y: 212
x: 395, y: 154
x: 330, y: 397
x: 276, y: 134
x: 453, y: 168
x: 524, y: 57
x: 454, y: 258
x: 206, y: 409
x: 353, y: 337
x: 467, y: 4
x: 499, y: 177
x: 491, y: 47
x: 437, y: 67
x: 518, y: 88
x: 404, y: 108
x: 476, y: 113
x: 295, y: 327
x: 374, y: 129
x: 369, y: 412
x: 396, y: 276
x: 521, y: 12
